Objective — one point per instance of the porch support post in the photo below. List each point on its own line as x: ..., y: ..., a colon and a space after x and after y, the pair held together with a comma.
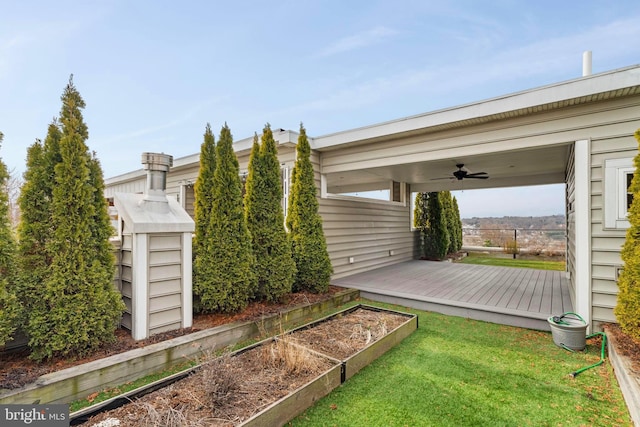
x: 583, y: 230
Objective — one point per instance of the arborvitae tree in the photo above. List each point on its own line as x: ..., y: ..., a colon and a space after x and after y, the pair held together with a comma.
x: 204, y: 186
x: 436, y: 239
x: 80, y: 308
x: 228, y: 272
x: 203, y: 204
x: 275, y: 268
x: 100, y: 224
x: 458, y: 224
x: 308, y: 244
x: 9, y: 307
x: 627, y: 310
x: 447, y: 205
x: 421, y: 219
x: 35, y: 230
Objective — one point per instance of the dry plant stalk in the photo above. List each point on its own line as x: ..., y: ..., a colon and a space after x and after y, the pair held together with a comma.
x: 285, y: 353
x: 219, y: 380
x: 368, y: 334
x: 162, y: 414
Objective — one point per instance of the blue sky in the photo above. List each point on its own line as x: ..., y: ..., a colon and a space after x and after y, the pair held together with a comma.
x: 153, y: 73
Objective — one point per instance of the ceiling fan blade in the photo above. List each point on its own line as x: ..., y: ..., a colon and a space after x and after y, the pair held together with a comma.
x: 477, y: 176
x: 438, y: 179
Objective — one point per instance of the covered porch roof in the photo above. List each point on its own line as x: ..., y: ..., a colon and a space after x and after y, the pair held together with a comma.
x: 503, y: 136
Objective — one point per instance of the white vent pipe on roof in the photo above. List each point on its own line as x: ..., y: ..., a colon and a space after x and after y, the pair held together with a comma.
x: 586, y: 63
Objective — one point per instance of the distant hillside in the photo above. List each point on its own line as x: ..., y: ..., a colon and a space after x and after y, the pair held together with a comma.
x: 551, y: 222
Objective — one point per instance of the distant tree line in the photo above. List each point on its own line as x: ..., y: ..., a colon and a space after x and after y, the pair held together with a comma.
x: 437, y: 217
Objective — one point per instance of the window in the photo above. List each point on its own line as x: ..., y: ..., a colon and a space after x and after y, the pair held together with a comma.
x: 375, y: 191
x: 618, y: 174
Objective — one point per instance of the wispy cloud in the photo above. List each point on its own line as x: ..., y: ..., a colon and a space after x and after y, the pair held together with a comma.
x: 185, y: 117
x: 357, y: 41
x: 563, y: 55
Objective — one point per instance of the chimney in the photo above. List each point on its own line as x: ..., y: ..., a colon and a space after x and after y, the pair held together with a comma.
x: 586, y: 63
x: 157, y: 165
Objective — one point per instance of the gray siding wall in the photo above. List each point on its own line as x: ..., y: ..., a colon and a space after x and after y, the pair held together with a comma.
x: 134, y: 186
x: 373, y: 234
x: 165, y: 282
x: 126, y: 279
x: 606, y: 243
x: 571, y: 222
x: 186, y: 176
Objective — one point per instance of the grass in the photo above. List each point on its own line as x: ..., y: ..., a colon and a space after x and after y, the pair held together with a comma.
x: 458, y: 372
x: 492, y: 259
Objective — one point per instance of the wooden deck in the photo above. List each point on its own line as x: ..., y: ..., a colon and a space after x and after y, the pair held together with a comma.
x: 510, y: 296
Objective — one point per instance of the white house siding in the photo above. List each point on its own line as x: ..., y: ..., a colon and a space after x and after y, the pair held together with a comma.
x: 571, y: 231
x: 606, y: 242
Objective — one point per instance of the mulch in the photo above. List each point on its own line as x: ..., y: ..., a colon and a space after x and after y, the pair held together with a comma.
x: 17, y: 370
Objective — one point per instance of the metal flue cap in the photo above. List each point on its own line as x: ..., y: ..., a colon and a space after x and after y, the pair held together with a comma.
x: 157, y: 161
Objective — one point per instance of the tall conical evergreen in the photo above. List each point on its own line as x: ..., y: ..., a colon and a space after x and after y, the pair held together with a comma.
x: 447, y: 206
x: 458, y: 224
x: 35, y: 230
x: 203, y: 205
x: 204, y: 185
x: 80, y: 308
x: 275, y: 268
x: 100, y: 225
x: 436, y: 239
x: 421, y: 219
x: 9, y: 307
x: 627, y: 310
x: 229, y: 279
x: 308, y: 244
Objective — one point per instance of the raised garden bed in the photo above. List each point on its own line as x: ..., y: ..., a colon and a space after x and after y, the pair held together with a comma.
x: 80, y: 381
x: 270, y: 382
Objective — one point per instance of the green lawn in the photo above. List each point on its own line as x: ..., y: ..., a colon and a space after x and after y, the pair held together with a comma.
x: 459, y: 372
x: 502, y: 261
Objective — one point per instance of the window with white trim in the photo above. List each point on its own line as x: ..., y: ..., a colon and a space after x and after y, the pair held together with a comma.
x: 618, y: 174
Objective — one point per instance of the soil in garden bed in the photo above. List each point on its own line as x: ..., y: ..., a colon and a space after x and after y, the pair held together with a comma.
x: 225, y: 391
x: 17, y: 370
x: 344, y: 336
x: 230, y: 389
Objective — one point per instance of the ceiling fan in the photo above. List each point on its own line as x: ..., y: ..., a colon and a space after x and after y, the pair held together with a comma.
x: 461, y: 174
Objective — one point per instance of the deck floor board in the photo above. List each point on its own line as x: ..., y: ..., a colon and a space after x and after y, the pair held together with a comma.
x: 517, y: 296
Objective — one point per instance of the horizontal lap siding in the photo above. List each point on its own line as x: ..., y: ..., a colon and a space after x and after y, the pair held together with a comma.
x: 136, y: 186
x: 165, y: 282
x: 375, y: 234
x: 126, y: 279
x: 606, y: 243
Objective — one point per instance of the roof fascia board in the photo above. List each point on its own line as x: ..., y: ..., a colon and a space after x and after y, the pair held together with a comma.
x: 282, y: 137
x: 580, y: 87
